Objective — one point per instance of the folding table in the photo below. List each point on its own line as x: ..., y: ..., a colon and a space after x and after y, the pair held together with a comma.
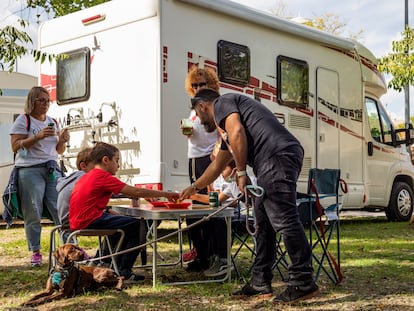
x: 156, y: 214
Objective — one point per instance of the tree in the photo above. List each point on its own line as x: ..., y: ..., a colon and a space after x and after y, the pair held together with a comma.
x: 12, y: 45
x: 14, y: 41
x: 334, y: 24
x: 63, y: 7
x: 400, y: 62
x: 328, y: 22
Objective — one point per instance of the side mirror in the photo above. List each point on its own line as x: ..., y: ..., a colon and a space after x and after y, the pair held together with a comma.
x: 409, y: 133
x: 405, y: 135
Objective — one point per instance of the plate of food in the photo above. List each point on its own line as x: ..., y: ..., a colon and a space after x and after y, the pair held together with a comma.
x: 181, y: 205
x: 158, y: 203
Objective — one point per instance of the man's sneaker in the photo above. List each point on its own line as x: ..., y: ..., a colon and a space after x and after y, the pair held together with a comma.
x: 36, y: 260
x: 255, y: 290
x: 190, y: 256
x: 297, y: 293
x: 218, y: 267
x: 134, y: 278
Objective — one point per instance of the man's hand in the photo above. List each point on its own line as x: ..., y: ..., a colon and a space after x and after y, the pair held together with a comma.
x: 242, y: 182
x: 172, y: 196
x: 187, y: 192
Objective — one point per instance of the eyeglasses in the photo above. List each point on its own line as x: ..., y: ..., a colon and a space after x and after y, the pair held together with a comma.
x: 196, y: 85
x: 43, y: 100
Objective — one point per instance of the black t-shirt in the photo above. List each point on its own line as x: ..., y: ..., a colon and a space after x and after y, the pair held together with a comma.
x: 266, y: 136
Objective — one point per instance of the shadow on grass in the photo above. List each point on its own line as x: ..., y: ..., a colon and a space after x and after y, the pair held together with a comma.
x: 376, y: 258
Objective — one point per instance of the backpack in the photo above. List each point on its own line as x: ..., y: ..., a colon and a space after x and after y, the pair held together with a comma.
x: 28, y: 127
x: 11, y: 199
x: 28, y: 121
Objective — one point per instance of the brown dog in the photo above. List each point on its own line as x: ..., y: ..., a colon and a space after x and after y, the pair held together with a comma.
x: 68, y: 280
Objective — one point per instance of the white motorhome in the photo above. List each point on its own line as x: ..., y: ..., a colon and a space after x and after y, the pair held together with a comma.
x: 121, y: 80
x: 14, y: 88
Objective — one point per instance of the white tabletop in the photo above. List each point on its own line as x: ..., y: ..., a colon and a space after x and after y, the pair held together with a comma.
x: 147, y: 211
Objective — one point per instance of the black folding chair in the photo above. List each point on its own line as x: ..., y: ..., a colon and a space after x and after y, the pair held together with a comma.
x: 319, y: 211
x: 281, y: 263
x: 241, y: 238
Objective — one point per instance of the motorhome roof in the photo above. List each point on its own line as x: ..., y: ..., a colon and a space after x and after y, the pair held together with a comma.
x: 262, y: 18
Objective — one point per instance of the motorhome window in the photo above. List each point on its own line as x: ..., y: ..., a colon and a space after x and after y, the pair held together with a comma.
x: 233, y: 64
x: 292, y: 82
x: 379, y: 122
x: 387, y: 127
x: 72, y: 76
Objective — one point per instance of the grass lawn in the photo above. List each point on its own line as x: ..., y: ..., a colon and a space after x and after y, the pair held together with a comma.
x: 377, y: 261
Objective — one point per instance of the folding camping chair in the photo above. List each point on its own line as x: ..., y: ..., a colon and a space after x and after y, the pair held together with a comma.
x: 241, y: 237
x: 281, y: 263
x: 242, y: 226
x: 319, y: 211
x: 60, y: 235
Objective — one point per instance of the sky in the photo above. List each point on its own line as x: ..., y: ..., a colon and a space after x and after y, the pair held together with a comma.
x: 10, y: 12
x: 382, y: 21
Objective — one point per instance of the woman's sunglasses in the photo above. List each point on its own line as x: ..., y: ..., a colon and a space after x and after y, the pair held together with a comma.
x: 196, y: 85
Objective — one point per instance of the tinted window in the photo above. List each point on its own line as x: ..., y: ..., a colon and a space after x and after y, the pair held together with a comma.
x: 379, y: 123
x: 292, y: 82
x: 73, y: 81
x: 233, y: 63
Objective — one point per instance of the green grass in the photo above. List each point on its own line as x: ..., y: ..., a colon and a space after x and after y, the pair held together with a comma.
x: 377, y: 259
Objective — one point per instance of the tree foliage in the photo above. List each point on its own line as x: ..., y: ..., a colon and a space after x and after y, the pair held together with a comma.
x: 14, y: 41
x: 334, y: 24
x: 328, y: 22
x: 400, y: 62
x: 63, y: 7
x: 12, y: 45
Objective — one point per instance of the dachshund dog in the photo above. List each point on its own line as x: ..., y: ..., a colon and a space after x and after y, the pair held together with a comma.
x: 68, y: 280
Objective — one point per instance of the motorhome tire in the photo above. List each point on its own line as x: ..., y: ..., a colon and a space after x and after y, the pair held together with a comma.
x: 400, y: 207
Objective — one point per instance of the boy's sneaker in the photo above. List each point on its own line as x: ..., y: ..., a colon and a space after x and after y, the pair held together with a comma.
x: 190, y: 256
x: 297, y: 293
x: 218, y: 267
x: 134, y: 278
x: 263, y: 291
x: 36, y: 260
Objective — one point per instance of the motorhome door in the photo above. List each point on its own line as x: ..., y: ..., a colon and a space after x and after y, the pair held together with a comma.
x: 327, y: 112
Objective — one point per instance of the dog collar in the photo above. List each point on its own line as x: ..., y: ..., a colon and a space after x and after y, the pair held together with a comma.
x: 59, y: 276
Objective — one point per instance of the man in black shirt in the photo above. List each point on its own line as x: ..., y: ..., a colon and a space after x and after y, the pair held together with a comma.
x: 253, y: 136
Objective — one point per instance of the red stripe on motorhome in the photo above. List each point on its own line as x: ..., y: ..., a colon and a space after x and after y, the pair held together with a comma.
x: 49, y: 83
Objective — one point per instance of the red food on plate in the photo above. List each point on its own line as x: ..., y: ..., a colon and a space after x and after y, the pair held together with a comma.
x: 178, y: 205
x: 158, y: 204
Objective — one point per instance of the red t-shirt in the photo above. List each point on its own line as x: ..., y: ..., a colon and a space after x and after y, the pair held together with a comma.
x: 90, y: 197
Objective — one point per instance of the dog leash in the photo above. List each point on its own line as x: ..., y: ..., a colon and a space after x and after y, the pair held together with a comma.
x: 254, y: 191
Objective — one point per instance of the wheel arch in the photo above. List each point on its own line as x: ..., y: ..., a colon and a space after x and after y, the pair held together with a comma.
x: 392, y: 209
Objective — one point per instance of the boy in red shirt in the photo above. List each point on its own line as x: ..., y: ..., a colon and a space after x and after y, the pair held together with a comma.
x: 91, y: 194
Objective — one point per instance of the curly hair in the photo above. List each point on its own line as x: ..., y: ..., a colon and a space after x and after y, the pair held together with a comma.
x: 194, y: 75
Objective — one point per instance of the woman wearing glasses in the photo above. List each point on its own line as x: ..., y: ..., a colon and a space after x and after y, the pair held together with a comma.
x: 36, y: 140
x: 200, y: 147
